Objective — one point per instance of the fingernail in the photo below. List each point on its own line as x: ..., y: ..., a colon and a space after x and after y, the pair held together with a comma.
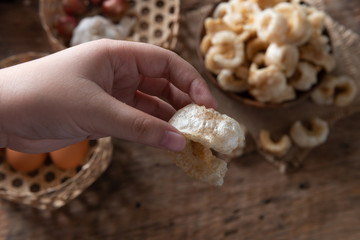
x: 173, y: 141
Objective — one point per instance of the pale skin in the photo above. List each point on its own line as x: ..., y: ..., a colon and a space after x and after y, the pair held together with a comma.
x: 102, y: 88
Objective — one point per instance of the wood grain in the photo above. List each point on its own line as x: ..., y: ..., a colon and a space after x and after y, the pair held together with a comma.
x: 143, y: 195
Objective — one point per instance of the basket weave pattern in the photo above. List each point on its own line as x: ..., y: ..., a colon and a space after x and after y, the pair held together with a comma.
x: 157, y: 21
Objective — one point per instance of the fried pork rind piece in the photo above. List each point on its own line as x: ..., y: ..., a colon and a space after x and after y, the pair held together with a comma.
x: 254, y: 47
x: 199, y: 163
x: 271, y: 26
x: 309, y: 138
x: 269, y: 85
x: 339, y: 91
x: 240, y: 14
x: 206, y: 129
x: 305, y: 76
x: 233, y: 56
x: 224, y: 51
x: 277, y: 148
x: 229, y: 81
x: 316, y: 19
x: 285, y: 57
x: 299, y: 28
x: 317, y: 50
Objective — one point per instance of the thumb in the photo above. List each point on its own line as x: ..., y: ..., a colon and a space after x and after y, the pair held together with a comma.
x: 117, y: 119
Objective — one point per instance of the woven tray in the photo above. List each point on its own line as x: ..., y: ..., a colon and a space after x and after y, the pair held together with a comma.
x: 50, y: 187
x: 157, y: 21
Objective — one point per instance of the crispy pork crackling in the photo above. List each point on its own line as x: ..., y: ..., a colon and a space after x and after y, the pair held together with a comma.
x: 206, y: 129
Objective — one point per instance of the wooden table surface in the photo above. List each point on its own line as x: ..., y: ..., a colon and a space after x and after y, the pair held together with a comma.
x: 143, y: 195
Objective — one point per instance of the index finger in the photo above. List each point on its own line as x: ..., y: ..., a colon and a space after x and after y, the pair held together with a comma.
x: 156, y: 62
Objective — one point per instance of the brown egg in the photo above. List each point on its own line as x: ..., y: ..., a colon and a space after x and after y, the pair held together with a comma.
x: 71, y: 156
x: 24, y: 162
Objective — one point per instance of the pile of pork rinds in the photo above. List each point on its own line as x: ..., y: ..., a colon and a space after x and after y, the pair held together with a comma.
x: 272, y: 50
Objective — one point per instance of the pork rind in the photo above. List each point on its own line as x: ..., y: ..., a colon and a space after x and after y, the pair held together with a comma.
x: 268, y: 33
x: 269, y: 85
x: 206, y: 129
x: 271, y: 26
x: 199, y: 163
x: 299, y: 28
x: 285, y: 57
x: 335, y: 90
x: 277, y: 148
x: 305, y: 76
x: 230, y: 81
x: 310, y: 137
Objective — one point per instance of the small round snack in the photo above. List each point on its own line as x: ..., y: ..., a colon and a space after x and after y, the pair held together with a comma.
x: 71, y: 156
x: 255, y: 46
x: 277, y: 148
x: 317, y: 51
x: 309, y: 138
x: 269, y: 84
x: 271, y: 26
x: 229, y: 82
x: 234, y: 49
x: 305, y: 76
x: 285, y: 57
x: 299, y: 28
x: 335, y: 90
x: 206, y: 129
x: 24, y: 162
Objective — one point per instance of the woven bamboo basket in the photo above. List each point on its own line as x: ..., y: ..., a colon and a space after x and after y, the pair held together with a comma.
x: 157, y: 21
x: 50, y: 187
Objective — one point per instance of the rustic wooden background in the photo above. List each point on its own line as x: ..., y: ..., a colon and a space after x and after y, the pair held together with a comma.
x: 144, y: 196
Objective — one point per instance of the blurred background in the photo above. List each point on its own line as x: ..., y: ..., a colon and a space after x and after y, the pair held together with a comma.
x: 143, y: 195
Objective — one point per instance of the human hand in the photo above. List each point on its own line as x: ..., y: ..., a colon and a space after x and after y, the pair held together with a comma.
x: 100, y: 88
